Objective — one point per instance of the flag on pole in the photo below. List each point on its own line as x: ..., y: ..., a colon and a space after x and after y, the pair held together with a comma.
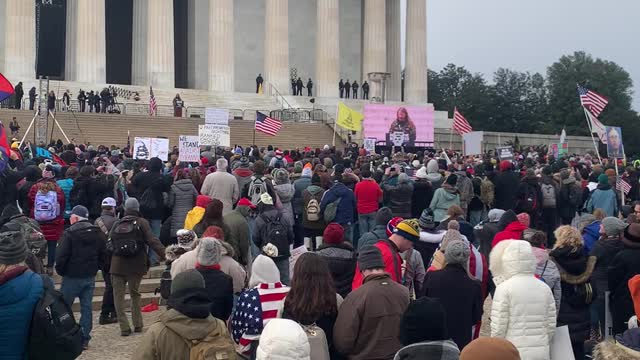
x: 460, y: 124
x: 563, y: 136
x: 6, y: 89
x: 267, y: 125
x: 623, y: 185
x: 348, y: 118
x: 153, y: 106
x: 592, y: 101
x: 5, y: 150
x: 597, y: 127
x: 128, y: 140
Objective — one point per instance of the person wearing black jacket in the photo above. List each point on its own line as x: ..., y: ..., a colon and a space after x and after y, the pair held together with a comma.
x: 355, y: 87
x: 82, y: 98
x: 90, y: 100
x: 32, y: 98
x: 340, y: 256
x: 309, y: 87
x: 506, y: 187
x: 219, y: 285
x: 347, y: 89
x: 32, y: 174
x: 51, y: 101
x: 341, y: 88
x: 365, y: 90
x: 624, y: 266
x: 299, y: 86
x: 96, y: 101
x: 81, y: 253
x: 259, y: 81
x: 19, y: 93
x: 105, y: 95
x: 88, y: 191
x: 105, y: 223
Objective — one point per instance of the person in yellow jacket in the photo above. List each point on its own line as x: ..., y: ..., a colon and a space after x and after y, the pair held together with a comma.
x: 195, y: 215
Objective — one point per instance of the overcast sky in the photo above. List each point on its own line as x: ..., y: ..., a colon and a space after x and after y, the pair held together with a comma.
x: 531, y: 35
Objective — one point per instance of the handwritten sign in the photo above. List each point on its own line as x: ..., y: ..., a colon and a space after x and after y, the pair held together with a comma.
x: 370, y: 145
x: 216, y: 116
x: 214, y: 135
x: 145, y: 148
x: 189, y: 147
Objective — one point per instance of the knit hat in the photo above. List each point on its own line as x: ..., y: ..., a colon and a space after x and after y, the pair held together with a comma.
x: 457, y: 253
x: 263, y: 271
x: 306, y: 172
x: 369, y: 258
x: 424, y: 320
x: 209, y: 252
x: 408, y: 229
x: 186, y: 238
x: 564, y: 174
x: 609, y: 172
x: 383, y: 216
x: 132, y: 204
x: 202, y: 201
x: 452, y: 179
x: 333, y: 234
x: 631, y: 235
x: 297, y: 167
x: 603, y: 179
x: 427, y: 220
x: 524, y: 219
x: 391, y: 225
x: 283, y: 339
x: 244, y: 162
x: 421, y: 173
x: 189, y: 279
x: 613, y: 226
x: 246, y: 202
x: 13, y: 248
x: 281, y: 176
x: 488, y: 348
x: 450, y: 236
x: 495, y: 215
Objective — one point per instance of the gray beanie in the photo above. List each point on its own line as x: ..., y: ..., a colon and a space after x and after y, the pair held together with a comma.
x: 281, y: 176
x: 613, y: 226
x: 209, y: 252
x: 132, y: 204
x: 370, y: 258
x: 383, y: 216
x: 190, y: 279
x: 457, y: 252
x: 13, y: 248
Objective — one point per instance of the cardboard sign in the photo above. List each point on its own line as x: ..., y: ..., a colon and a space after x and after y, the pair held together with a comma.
x: 145, y: 148
x: 189, y: 147
x: 504, y: 153
x: 216, y: 116
x: 473, y: 142
x: 214, y: 135
x: 369, y: 144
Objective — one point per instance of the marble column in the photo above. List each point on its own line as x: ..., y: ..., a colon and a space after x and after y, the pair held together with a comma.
x: 394, y: 49
x: 86, y: 57
x: 276, y: 45
x: 153, y: 61
x: 374, y: 42
x: 19, y: 56
x: 415, y: 80
x: 327, y: 48
x: 221, y: 46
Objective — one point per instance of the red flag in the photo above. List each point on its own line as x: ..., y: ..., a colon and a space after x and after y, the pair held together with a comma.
x: 460, y: 124
x: 6, y: 89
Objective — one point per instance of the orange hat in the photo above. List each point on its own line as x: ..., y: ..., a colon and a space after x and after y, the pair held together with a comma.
x: 308, y: 166
x: 634, y: 289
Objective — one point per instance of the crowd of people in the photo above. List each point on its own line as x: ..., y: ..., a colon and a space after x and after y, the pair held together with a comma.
x: 327, y: 254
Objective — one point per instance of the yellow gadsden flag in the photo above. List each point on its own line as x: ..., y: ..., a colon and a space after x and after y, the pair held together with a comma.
x: 349, y: 118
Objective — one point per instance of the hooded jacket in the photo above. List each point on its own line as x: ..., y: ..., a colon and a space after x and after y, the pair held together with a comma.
x: 300, y: 185
x: 346, y: 207
x: 431, y: 350
x: 506, y: 187
x: 603, y: 197
x: 260, y: 238
x: 605, y: 250
x: 433, y: 176
x: 316, y: 192
x: 239, y: 235
x: 443, y: 198
x: 399, y: 198
x: 195, y: 215
x: 379, y: 232
x: 243, y: 176
x: 82, y: 251
x: 285, y: 193
x: 547, y: 271
x: 341, y: 259
x: 283, y: 339
x: 182, y: 197
x: 523, y: 309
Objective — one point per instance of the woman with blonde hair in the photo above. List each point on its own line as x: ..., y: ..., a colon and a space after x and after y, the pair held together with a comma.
x: 577, y: 293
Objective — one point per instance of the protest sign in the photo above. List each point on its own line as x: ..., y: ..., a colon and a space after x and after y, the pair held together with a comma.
x: 146, y: 148
x: 370, y: 144
x: 473, y: 142
x: 214, y: 135
x: 397, y: 138
x: 559, y: 149
x: 504, y: 153
x: 615, y: 148
x: 189, y: 147
x: 216, y: 116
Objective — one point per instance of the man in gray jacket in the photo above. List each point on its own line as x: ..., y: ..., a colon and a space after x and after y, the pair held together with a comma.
x: 379, y: 232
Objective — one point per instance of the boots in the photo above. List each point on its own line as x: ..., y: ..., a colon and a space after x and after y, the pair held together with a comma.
x: 109, y: 318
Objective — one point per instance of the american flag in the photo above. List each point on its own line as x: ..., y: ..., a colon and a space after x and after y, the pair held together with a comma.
x: 460, y: 124
x: 153, y: 106
x: 266, y: 124
x: 592, y: 101
x: 597, y: 127
x: 254, y: 309
x: 623, y: 185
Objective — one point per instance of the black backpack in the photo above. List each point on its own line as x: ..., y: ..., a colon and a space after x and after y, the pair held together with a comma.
x: 54, y: 332
x: 126, y: 238
x: 275, y: 232
x: 152, y: 199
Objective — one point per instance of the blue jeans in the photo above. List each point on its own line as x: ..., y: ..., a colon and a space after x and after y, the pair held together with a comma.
x: 156, y: 226
x: 348, y: 233
x: 283, y: 267
x: 51, y: 253
x: 81, y: 288
x: 367, y: 222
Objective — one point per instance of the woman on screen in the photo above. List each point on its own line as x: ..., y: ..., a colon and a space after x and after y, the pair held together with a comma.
x: 404, y: 124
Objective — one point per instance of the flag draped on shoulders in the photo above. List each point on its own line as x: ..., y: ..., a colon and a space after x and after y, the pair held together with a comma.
x: 349, y: 118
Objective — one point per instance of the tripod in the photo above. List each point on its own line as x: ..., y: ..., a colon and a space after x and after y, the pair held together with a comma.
x: 55, y: 122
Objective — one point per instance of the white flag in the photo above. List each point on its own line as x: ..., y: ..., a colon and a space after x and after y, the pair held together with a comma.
x: 563, y: 136
x: 597, y: 127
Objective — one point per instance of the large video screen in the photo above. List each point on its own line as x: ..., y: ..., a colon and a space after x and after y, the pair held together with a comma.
x: 398, y: 125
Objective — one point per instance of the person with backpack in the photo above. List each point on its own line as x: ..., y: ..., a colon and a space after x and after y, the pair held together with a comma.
x: 570, y: 197
x: 273, y: 235
x: 339, y: 205
x: 239, y: 236
x: 550, y: 190
x: 578, y: 293
x: 529, y: 198
x: 105, y: 223
x: 312, y: 221
x: 278, y: 161
x: 20, y: 292
x: 13, y: 219
x: 313, y: 303
x: 285, y: 191
x: 46, y: 201
x: 148, y: 187
x: 222, y: 186
x: 368, y: 198
x: 465, y: 190
x: 66, y: 185
x: 129, y: 239
x: 187, y: 330
x: 82, y: 252
x: 258, y: 185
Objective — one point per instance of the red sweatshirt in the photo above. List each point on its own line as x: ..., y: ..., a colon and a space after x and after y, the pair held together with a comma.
x: 368, y: 194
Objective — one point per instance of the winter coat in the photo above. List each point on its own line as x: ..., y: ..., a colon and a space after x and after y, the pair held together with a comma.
x: 624, y: 266
x: 513, y: 231
x: 219, y: 287
x: 421, y: 198
x: 392, y: 263
x: 379, y: 232
x: 222, y: 186
x: 445, y: 197
x: 590, y: 235
x: 182, y: 197
x: 346, y: 207
x: 484, y: 234
x: 462, y: 302
x: 529, y: 186
x: 145, y: 180
x: 66, y: 185
x: 243, y: 176
x: 428, y: 243
x: 575, y: 271
x: 523, y: 309
x: 341, y: 259
x: 547, y: 271
x: 260, y: 226
x: 413, y: 272
x: 626, y: 347
x: 310, y: 192
x: 239, y: 235
x: 569, y: 189
x: 285, y: 193
x: 300, y: 186
x: 603, y: 198
x: 506, y: 190
x: 368, y: 320
x: 20, y: 290
x: 139, y: 263
x: 82, y: 251
x: 429, y: 350
x: 399, y: 198
x: 605, y: 250
x: 52, y: 230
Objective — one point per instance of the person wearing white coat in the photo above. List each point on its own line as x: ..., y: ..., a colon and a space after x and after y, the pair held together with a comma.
x: 523, y: 309
x: 283, y: 339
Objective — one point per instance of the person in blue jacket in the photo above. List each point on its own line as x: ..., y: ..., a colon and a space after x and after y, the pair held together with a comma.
x: 603, y: 197
x: 346, y: 207
x: 20, y: 290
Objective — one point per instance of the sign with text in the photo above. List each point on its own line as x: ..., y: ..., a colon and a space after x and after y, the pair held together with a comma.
x: 145, y: 148
x: 189, y: 147
x: 473, y: 142
x: 504, y: 153
x: 559, y: 149
x: 214, y: 135
x: 216, y: 116
x: 369, y: 144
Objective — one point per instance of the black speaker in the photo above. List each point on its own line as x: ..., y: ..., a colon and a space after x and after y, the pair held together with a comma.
x: 51, y: 27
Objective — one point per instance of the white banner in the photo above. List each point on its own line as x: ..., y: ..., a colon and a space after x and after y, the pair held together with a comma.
x: 473, y: 142
x: 145, y: 148
x: 189, y: 147
x: 216, y: 116
x: 214, y: 135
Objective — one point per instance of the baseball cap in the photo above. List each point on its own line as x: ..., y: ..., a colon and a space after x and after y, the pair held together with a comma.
x: 109, y: 202
x: 80, y: 211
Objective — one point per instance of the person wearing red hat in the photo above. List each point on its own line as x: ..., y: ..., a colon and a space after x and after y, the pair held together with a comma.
x: 195, y: 215
x: 239, y: 235
x: 340, y: 256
